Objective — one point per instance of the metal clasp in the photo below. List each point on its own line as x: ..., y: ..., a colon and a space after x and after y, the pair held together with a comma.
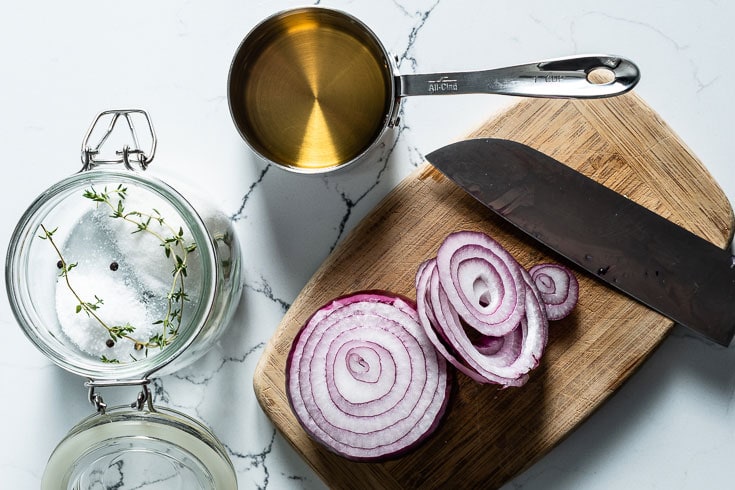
x: 144, y: 398
x: 91, y: 155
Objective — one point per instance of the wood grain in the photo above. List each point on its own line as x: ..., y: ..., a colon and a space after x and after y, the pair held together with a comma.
x: 489, y: 435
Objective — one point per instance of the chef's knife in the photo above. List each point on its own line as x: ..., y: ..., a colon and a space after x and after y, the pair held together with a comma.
x: 624, y: 244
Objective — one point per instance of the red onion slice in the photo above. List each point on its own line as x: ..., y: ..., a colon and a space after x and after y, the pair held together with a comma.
x: 363, y: 379
x: 520, y: 352
x: 558, y: 287
x: 428, y: 320
x: 482, y: 281
x: 504, y: 359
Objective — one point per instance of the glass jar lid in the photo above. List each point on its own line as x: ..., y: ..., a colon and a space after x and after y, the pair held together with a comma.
x: 125, y: 448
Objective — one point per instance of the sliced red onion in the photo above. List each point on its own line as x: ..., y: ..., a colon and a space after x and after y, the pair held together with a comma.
x: 482, y: 282
x: 364, y: 380
x: 427, y: 319
x: 504, y: 359
x: 558, y: 287
x: 519, y: 352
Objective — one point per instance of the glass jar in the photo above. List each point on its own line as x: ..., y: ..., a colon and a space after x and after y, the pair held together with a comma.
x: 115, y: 276
x: 125, y: 448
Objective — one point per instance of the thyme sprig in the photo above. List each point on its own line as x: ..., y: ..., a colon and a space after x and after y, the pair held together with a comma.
x: 175, y: 248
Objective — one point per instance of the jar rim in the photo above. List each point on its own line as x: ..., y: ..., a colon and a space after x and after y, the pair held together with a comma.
x: 18, y: 288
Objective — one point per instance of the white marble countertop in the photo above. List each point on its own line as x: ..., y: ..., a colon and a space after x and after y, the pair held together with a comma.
x: 671, y: 426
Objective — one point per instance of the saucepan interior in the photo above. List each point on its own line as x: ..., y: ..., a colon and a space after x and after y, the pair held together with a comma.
x: 311, y: 89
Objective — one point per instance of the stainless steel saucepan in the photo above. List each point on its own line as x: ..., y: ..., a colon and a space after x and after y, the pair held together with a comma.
x: 313, y: 89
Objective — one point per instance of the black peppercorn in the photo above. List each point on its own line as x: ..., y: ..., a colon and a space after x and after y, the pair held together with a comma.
x: 110, y: 343
x: 60, y: 264
x: 114, y: 266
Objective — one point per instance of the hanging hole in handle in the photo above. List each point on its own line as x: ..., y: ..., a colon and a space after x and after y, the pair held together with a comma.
x: 601, y: 76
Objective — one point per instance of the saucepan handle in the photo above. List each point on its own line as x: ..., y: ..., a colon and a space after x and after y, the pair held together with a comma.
x: 584, y: 76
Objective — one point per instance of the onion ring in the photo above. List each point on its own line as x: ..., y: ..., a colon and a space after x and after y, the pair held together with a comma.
x: 558, y: 287
x: 482, y: 281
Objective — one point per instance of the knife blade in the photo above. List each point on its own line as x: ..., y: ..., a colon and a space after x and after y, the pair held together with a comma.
x: 625, y: 245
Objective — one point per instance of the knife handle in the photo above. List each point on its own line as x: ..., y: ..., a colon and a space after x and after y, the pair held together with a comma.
x: 584, y: 77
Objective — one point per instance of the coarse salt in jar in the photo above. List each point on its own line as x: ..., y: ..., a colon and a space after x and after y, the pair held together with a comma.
x: 116, y: 277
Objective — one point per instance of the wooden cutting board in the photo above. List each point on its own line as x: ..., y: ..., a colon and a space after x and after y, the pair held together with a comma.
x: 489, y: 435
